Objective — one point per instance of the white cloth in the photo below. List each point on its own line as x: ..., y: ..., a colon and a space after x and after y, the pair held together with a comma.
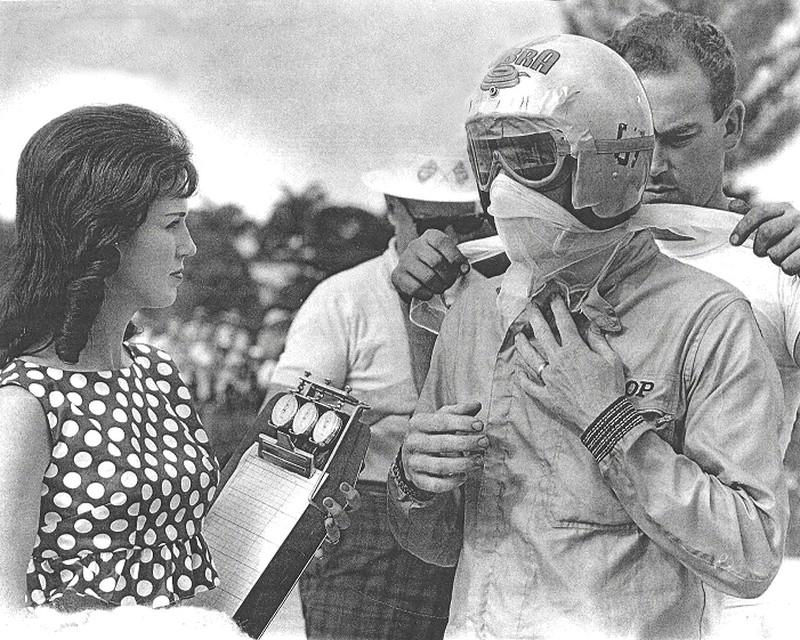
x: 351, y: 330
x: 773, y: 295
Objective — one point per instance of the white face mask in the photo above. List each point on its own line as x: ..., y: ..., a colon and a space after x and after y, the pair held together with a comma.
x: 547, y: 245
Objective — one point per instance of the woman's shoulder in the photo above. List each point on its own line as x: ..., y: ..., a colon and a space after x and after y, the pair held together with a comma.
x: 149, y: 352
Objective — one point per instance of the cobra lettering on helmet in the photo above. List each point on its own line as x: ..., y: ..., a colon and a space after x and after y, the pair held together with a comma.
x: 561, y: 96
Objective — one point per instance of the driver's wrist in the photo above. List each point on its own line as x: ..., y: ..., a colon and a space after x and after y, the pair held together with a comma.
x: 404, y: 483
x: 616, y: 420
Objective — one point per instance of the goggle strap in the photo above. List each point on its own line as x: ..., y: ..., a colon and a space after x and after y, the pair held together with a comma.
x: 623, y: 145
x: 532, y: 184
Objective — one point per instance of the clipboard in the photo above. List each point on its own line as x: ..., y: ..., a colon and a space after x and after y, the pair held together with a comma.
x: 268, y: 519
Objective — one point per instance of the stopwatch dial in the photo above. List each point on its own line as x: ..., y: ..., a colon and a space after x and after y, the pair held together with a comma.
x: 305, y: 418
x: 284, y: 410
x: 327, y: 428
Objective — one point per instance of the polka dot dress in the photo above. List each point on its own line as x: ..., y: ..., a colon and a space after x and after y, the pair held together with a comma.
x: 129, y: 480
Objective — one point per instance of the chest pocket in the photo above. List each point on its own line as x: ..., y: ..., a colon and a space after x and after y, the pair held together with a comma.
x: 579, y: 496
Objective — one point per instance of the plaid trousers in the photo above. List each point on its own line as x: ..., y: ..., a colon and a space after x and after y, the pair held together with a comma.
x: 372, y: 589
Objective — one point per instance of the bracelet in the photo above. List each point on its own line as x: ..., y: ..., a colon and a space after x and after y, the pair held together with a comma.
x: 610, y: 426
x: 404, y: 484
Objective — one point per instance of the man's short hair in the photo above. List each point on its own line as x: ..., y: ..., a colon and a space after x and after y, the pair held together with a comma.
x: 658, y: 43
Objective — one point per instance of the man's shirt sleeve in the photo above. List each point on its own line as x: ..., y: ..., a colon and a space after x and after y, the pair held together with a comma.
x: 432, y: 530
x: 720, y: 504
x: 319, y: 339
x: 789, y: 292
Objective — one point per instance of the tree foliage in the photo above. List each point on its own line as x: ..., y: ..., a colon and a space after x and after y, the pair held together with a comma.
x: 765, y: 35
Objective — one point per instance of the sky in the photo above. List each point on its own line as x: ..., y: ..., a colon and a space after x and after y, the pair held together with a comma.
x: 269, y: 93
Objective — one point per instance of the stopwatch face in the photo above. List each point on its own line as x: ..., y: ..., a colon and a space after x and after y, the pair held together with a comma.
x: 284, y: 410
x: 305, y: 418
x: 327, y: 428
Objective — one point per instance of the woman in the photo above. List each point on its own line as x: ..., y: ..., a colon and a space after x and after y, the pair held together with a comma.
x: 106, y: 472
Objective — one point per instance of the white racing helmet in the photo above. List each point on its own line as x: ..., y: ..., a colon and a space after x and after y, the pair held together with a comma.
x: 560, y: 96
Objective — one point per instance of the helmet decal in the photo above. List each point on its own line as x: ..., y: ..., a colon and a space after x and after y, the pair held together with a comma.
x: 502, y: 76
x: 533, y: 59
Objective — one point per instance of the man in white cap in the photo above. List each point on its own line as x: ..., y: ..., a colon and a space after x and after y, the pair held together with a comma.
x: 632, y: 409
x: 352, y: 329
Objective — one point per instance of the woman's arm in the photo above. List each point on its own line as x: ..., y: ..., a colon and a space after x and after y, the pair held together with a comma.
x: 24, y: 454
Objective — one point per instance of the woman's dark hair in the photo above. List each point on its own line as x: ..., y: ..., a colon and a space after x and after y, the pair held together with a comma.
x: 85, y: 181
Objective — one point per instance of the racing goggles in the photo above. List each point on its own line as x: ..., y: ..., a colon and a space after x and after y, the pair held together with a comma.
x: 531, y: 158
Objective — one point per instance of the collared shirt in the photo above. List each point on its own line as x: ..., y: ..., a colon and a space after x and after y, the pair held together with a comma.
x: 545, y: 537
x: 351, y: 330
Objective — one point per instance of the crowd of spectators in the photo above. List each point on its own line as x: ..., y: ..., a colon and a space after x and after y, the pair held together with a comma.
x: 226, y: 364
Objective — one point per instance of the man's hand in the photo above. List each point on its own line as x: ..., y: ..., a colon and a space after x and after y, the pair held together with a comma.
x: 777, y: 234
x: 574, y: 379
x: 338, y: 519
x: 441, y: 448
x: 430, y: 265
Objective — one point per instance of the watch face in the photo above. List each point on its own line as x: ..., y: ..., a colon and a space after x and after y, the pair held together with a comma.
x: 327, y: 428
x: 305, y: 418
x: 284, y: 410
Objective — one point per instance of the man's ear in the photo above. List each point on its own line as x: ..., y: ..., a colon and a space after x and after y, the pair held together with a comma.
x: 734, y: 124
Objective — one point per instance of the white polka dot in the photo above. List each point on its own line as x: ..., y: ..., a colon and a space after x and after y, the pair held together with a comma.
x: 152, y: 476
x: 60, y: 450
x: 184, y: 583
x: 69, y: 428
x: 34, y: 374
x: 122, y: 399
x: 128, y: 479
x: 200, y: 436
x: 55, y: 374
x: 194, y: 497
x: 85, y: 507
x: 119, y: 525
x: 197, y: 561
x: 151, y: 384
x: 155, y: 505
x: 151, y: 430
x: 76, y: 410
x: 118, y: 498
x: 174, y: 502
x: 66, y: 575
x: 106, y: 375
x: 37, y: 389
x: 142, y: 361
x: 102, y: 541
x: 37, y: 596
x: 119, y: 415
x: 137, y: 415
x: 158, y: 571
x: 114, y: 450
x: 123, y: 384
x: 62, y: 500
x: 161, y: 519
x: 166, y: 487
x: 140, y: 522
x: 66, y: 541
x: 95, y: 490
x: 107, y: 584
x: 183, y: 411
x: 106, y: 469
x: 138, y: 400
x: 135, y: 444
x: 183, y: 393
x: 52, y: 420
x: 101, y: 512
x: 151, y: 400
x: 147, y: 491
x: 164, y: 387
x: 172, y: 472
x: 75, y: 398
x: 128, y: 601
x: 150, y: 444
x: 211, y: 491
x: 82, y: 525
x: 97, y: 407
x: 190, y: 466
x: 82, y: 459
x: 51, y: 471
x: 207, y: 463
x: 180, y: 515
x: 149, y: 536
x: 56, y: 399
x: 133, y: 460
x: 133, y: 509
x: 101, y: 389
x: 186, y: 483
x: 198, y: 511
x: 138, y: 383
x: 170, y: 425
x: 205, y: 480
x: 164, y: 369
x: 92, y: 438
x: 169, y: 455
x: 71, y: 480
x: 78, y: 380
x: 170, y: 441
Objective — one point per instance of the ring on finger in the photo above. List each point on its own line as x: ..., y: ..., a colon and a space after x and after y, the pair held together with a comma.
x: 541, y: 368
